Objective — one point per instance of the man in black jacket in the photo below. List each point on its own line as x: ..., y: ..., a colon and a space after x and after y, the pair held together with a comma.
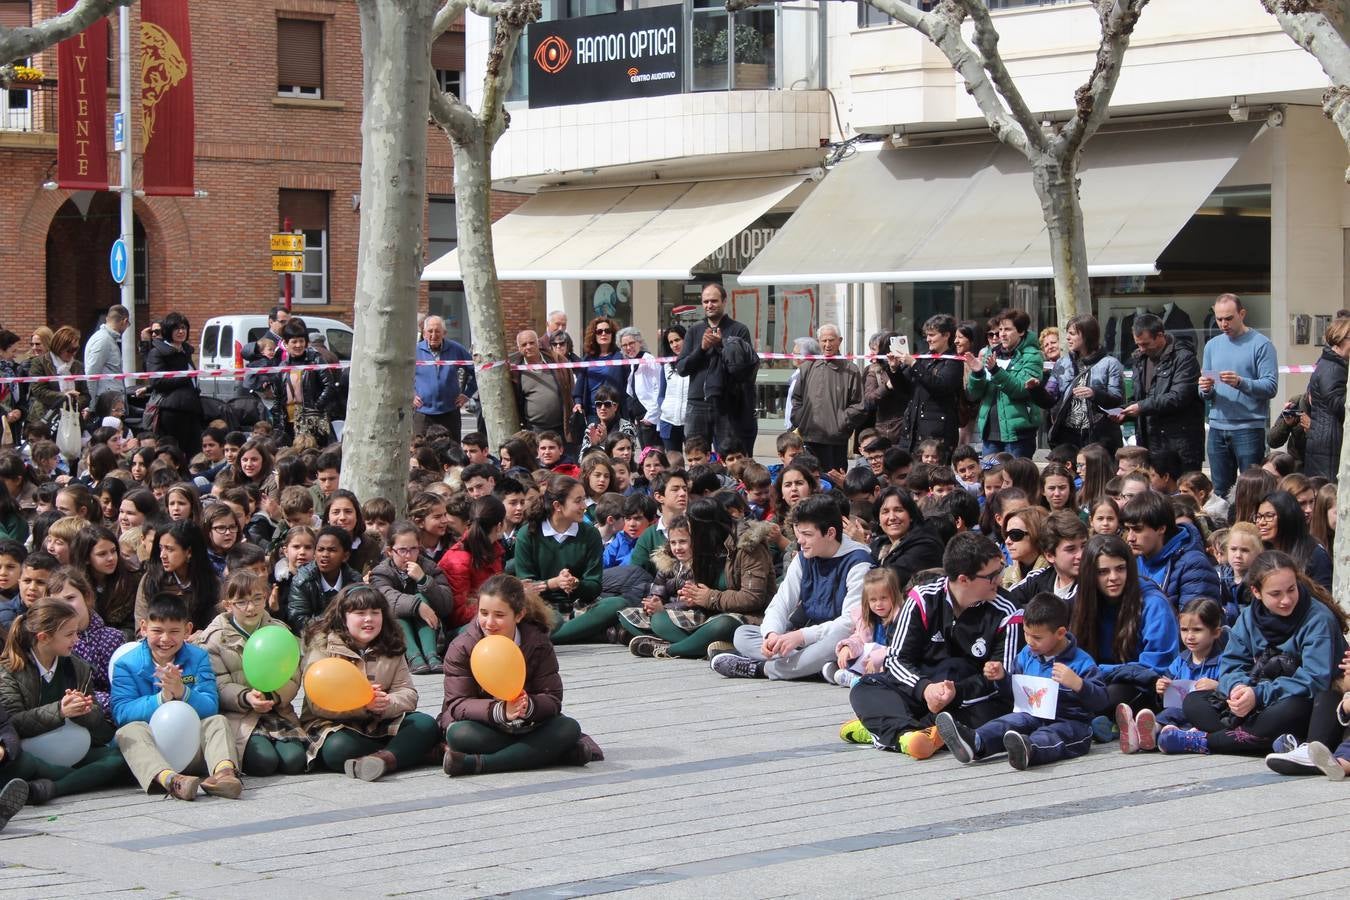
x: 1168, y: 409
x: 720, y: 360
x: 947, y: 630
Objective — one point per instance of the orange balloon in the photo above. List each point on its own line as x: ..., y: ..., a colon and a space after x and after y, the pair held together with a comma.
x: 498, y: 666
x: 335, y: 684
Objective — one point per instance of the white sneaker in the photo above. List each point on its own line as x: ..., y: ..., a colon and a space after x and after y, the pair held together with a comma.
x: 846, y: 678
x: 829, y: 670
x: 1321, y: 757
x: 1294, y: 762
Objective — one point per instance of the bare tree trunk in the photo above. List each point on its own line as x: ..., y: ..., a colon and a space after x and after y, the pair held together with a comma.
x: 482, y: 293
x: 396, y: 65
x: 1057, y: 188
x: 17, y: 44
x: 472, y: 137
x: 1322, y: 27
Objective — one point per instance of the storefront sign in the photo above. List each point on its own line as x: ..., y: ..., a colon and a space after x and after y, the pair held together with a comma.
x: 735, y: 254
x: 629, y: 54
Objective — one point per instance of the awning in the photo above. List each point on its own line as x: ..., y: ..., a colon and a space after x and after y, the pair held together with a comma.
x: 970, y: 212
x: 651, y: 231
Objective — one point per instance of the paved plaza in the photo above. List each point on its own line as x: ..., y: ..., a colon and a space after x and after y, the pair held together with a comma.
x: 711, y: 788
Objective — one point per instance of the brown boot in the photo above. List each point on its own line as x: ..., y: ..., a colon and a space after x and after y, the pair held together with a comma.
x: 224, y: 783
x: 372, y: 767
x: 183, y: 787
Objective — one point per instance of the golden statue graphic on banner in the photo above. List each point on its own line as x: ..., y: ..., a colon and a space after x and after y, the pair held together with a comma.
x: 162, y: 67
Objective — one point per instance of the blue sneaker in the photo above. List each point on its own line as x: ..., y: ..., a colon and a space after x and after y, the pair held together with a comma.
x: 1182, y: 740
x: 1104, y: 730
x: 1285, y: 743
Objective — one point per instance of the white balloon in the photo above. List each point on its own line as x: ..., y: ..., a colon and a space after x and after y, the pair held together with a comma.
x: 118, y: 654
x: 178, y: 733
x: 64, y: 746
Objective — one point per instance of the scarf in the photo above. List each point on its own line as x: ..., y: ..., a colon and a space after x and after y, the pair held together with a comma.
x: 62, y: 368
x: 1276, y: 629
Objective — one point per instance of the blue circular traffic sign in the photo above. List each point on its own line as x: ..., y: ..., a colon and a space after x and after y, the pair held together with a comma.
x: 117, y: 261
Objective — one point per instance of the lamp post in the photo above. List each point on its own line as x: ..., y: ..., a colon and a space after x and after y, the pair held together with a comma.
x: 127, y: 192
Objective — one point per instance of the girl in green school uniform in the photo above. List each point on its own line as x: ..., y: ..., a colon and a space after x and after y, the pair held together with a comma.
x: 559, y: 555
x: 42, y: 686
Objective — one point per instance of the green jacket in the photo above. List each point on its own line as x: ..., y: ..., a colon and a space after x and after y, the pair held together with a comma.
x: 21, y: 694
x: 539, y: 558
x: 1007, y: 387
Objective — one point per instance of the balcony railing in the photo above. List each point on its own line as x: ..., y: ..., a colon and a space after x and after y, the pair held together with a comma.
x: 16, y: 110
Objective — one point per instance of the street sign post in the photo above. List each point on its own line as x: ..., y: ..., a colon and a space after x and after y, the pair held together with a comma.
x: 117, y: 261
x: 119, y: 132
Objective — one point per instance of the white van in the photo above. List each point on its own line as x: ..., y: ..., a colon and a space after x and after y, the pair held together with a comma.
x: 223, y: 338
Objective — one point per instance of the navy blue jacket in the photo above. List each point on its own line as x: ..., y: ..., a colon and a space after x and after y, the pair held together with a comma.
x: 1082, y: 705
x: 1182, y: 569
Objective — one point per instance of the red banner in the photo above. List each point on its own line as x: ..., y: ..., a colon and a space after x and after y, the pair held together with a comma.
x: 82, y: 108
x: 167, y: 124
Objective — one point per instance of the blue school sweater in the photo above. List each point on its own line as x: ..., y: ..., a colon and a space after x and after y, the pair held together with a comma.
x: 1080, y: 706
x: 1253, y: 357
x: 1159, y: 635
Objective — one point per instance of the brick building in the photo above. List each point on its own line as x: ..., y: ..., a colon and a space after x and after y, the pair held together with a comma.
x: 278, y: 114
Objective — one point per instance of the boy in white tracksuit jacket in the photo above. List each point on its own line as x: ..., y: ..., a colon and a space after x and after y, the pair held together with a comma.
x: 813, y: 608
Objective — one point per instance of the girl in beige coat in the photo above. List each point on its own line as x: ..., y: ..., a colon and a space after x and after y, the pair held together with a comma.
x: 267, y: 733
x: 386, y: 734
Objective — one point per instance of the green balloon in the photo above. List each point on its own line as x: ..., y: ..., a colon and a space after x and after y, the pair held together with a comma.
x: 271, y: 656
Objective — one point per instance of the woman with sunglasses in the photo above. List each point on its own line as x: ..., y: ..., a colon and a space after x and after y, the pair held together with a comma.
x: 600, y: 346
x: 609, y: 420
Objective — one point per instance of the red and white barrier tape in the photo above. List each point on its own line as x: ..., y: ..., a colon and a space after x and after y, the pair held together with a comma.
x: 490, y: 364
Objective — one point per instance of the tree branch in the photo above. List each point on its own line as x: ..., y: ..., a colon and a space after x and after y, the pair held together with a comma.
x: 452, y: 116
x: 20, y: 43
x: 453, y: 9
x: 986, y: 41
x: 514, y: 17
x: 1092, y: 100
x: 1318, y: 26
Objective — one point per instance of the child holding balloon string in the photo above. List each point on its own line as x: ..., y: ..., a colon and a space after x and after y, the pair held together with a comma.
x: 267, y: 735
x: 45, y: 690
x: 506, y: 654
x: 360, y: 702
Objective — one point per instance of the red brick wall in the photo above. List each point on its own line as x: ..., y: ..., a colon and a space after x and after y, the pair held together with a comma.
x: 210, y: 256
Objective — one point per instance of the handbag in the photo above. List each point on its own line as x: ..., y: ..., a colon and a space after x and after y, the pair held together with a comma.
x: 68, y: 433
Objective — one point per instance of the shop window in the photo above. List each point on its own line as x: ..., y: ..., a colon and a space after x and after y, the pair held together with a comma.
x: 553, y: 10
x: 612, y: 298
x: 299, y: 58
x: 308, y: 214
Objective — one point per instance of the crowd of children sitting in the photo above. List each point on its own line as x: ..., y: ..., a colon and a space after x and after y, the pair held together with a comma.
x: 988, y: 606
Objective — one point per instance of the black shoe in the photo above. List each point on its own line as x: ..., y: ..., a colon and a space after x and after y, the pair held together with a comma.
x: 648, y: 647
x: 41, y: 791
x: 958, y: 738
x: 456, y: 763
x: 1019, y: 750
x: 586, y: 750
x: 617, y: 634
x: 13, y: 797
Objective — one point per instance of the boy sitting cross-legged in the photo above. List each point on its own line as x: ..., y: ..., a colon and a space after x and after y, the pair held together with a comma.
x: 1051, y: 652
x: 163, y: 668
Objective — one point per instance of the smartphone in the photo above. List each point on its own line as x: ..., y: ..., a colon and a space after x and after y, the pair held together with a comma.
x: 900, y: 345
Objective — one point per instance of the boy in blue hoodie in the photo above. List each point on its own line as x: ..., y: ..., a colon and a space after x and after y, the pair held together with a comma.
x: 1172, y: 555
x: 161, y: 669
x: 1050, y: 652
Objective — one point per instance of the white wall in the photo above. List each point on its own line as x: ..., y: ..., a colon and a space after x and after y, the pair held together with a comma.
x: 1184, y: 54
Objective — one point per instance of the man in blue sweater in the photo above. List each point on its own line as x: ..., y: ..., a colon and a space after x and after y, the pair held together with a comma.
x: 1239, y: 375
x: 440, y: 392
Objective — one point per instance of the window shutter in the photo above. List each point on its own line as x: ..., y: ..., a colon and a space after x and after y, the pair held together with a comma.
x: 18, y: 14
x: 299, y: 53
x: 308, y: 210
x: 448, y: 52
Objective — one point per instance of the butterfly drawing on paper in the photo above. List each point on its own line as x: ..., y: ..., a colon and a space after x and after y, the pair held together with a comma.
x: 1035, y: 697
